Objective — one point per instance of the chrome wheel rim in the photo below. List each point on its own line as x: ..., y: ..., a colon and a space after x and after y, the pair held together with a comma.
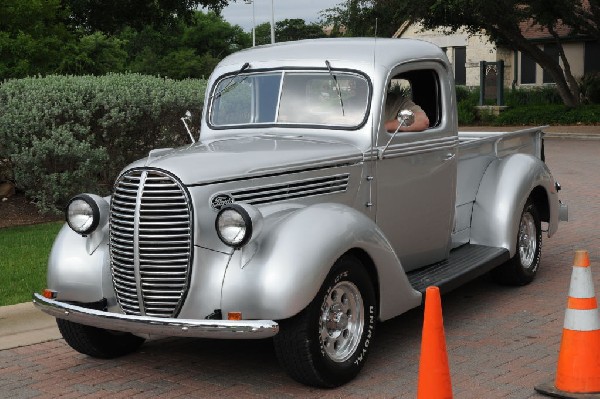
x: 527, y: 240
x: 342, y: 321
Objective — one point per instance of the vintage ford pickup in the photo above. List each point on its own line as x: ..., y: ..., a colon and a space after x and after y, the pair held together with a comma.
x: 298, y: 216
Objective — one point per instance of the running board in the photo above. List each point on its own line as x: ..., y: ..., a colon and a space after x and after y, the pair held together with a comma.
x: 464, y: 264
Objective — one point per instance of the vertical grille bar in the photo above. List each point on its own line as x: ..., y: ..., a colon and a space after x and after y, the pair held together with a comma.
x: 150, y: 243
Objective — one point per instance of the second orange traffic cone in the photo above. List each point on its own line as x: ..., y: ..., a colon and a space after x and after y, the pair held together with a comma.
x: 434, y: 372
x: 578, y: 369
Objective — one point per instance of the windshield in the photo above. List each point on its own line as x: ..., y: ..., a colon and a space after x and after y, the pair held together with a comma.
x: 290, y: 98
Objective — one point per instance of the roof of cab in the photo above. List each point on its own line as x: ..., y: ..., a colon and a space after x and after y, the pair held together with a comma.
x: 382, y: 52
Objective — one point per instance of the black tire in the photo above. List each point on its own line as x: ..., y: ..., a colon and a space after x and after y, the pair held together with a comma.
x: 523, y: 266
x: 330, y: 351
x: 97, y: 342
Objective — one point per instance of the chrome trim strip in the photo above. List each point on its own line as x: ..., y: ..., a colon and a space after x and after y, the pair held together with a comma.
x: 290, y: 169
x: 419, y: 147
x: 289, y: 190
x: 136, y: 242
x: 221, y: 329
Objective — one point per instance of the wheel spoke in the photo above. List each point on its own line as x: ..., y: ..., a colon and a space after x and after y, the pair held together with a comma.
x: 527, y: 240
x: 342, y: 321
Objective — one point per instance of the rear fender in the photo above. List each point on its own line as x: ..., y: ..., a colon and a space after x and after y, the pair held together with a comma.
x: 504, y: 189
x: 278, y: 274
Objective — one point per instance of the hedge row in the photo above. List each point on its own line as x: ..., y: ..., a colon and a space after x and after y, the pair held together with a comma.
x: 71, y: 134
x: 530, y: 106
x: 551, y: 114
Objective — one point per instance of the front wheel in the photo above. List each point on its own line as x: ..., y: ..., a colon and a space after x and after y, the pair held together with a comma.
x: 522, y: 267
x: 97, y: 342
x: 327, y: 343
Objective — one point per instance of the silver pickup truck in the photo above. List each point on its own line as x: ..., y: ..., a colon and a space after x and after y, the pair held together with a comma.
x: 296, y: 215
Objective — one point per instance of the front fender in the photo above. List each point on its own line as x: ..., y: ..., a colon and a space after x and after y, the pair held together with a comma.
x: 504, y: 189
x: 289, y: 262
x: 79, y: 267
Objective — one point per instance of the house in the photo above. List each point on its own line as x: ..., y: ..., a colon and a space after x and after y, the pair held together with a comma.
x: 465, y: 51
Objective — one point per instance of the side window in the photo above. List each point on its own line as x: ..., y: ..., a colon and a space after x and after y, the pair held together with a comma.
x: 418, y: 88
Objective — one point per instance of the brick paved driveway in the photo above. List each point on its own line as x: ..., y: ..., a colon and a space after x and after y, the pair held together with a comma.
x: 501, y: 340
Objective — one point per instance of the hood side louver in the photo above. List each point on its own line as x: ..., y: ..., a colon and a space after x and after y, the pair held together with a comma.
x: 292, y: 190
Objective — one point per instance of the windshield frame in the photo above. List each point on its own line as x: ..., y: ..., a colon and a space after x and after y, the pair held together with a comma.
x: 317, y: 70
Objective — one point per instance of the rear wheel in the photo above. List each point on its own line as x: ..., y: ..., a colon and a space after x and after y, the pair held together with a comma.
x: 522, y: 267
x: 327, y: 343
x: 97, y: 342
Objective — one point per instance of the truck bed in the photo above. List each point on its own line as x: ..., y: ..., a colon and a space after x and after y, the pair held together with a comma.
x: 476, y: 151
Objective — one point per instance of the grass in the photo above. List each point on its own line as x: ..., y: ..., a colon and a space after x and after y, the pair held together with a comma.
x: 24, y: 252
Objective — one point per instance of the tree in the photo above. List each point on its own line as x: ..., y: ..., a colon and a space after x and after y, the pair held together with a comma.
x: 112, y: 16
x: 94, y: 54
x: 210, y: 33
x: 288, y: 30
x: 185, y: 49
x: 501, y: 20
x: 263, y: 33
x: 297, y: 29
x: 32, y: 36
x: 366, y: 18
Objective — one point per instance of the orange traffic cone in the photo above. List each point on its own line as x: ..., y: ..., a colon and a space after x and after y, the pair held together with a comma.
x: 434, y: 373
x: 578, y: 369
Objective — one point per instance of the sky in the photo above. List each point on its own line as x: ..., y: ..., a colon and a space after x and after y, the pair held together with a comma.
x: 240, y: 13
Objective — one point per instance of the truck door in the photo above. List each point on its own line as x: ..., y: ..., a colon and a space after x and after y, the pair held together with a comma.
x: 416, y: 172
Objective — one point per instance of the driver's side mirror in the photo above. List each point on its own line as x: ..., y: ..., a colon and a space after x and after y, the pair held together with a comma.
x: 406, y: 117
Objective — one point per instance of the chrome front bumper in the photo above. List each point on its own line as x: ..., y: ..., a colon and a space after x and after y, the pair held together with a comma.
x: 222, y: 329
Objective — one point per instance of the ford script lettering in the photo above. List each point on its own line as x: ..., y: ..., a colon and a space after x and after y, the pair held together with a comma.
x: 219, y: 201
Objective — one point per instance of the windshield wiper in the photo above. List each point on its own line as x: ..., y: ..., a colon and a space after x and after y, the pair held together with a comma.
x: 230, y: 84
x: 337, y: 85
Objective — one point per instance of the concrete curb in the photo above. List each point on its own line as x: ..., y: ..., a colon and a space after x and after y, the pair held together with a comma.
x: 572, y: 136
x: 23, y: 324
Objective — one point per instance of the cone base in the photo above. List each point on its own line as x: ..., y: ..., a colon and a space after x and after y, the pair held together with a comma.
x: 549, y: 389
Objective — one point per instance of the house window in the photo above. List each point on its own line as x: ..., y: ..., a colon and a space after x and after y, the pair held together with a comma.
x: 552, y: 51
x: 527, y: 69
x: 460, y: 69
x: 591, y: 60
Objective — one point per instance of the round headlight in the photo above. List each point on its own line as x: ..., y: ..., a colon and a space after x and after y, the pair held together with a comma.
x: 234, y: 225
x: 83, y: 214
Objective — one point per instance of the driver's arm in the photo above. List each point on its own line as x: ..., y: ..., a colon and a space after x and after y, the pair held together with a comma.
x: 421, y: 123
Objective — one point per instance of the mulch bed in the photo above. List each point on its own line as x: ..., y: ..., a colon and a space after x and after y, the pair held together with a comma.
x: 18, y: 211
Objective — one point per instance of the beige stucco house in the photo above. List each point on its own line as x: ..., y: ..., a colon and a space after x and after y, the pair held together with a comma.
x: 465, y: 51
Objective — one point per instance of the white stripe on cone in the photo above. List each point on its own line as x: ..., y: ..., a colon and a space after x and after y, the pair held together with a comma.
x: 582, y: 320
x: 582, y: 285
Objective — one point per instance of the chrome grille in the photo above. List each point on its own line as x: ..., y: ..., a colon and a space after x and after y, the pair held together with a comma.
x: 150, y: 243
x: 293, y: 190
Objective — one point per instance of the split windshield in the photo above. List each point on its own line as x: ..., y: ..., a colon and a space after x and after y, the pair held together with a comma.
x: 337, y: 99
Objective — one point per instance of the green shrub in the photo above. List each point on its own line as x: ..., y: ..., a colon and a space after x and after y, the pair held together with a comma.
x: 466, y: 99
x: 551, y: 114
x: 69, y: 134
x: 465, y: 93
x: 532, y: 96
x: 590, y: 87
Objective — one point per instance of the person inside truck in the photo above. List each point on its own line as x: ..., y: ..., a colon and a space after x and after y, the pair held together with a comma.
x: 397, y: 102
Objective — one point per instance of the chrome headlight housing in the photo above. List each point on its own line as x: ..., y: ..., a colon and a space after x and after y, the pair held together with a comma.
x: 85, y: 212
x: 237, y: 224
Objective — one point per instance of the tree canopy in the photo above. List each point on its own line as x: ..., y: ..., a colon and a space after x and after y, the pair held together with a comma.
x: 501, y: 20
x: 287, y: 30
x: 112, y: 16
x: 48, y: 37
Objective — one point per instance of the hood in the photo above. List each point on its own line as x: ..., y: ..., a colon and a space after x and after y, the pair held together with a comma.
x: 245, y: 157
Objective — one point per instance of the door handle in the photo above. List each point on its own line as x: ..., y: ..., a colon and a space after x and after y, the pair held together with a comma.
x: 449, y: 157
